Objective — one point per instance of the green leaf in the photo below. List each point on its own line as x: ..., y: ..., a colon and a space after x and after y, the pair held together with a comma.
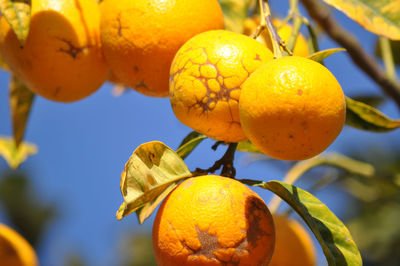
x: 151, y: 169
x: 18, y: 15
x: 395, y: 47
x: 333, y: 236
x: 145, y: 212
x: 189, y: 143
x: 13, y: 155
x: 247, y: 146
x: 321, y: 55
x: 21, y: 99
x: 380, y: 17
x: 235, y: 13
x: 365, y: 117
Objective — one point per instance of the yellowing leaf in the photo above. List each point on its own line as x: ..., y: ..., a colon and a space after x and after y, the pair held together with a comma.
x: 151, y: 170
x: 321, y: 55
x: 363, y: 116
x: 13, y: 155
x: 381, y: 17
x: 18, y: 15
x: 235, y: 13
x: 21, y: 99
x: 247, y: 146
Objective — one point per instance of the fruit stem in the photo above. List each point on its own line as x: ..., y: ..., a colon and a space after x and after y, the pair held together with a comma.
x: 313, y: 40
x: 266, y: 22
x: 297, y: 22
x: 387, y: 57
x: 226, y: 162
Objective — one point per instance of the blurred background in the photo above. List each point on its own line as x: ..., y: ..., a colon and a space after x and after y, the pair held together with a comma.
x: 64, y: 199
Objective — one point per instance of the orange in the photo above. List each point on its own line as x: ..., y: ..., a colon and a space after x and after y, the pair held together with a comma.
x: 62, y: 58
x: 206, y: 76
x: 293, y: 244
x: 14, y: 249
x: 284, y: 31
x: 141, y: 37
x: 292, y: 108
x: 213, y: 220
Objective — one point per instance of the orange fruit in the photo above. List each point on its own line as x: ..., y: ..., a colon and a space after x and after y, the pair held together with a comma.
x: 206, y: 76
x: 292, y: 108
x: 141, y: 37
x: 14, y: 249
x: 293, y: 244
x: 62, y: 58
x: 213, y: 220
x: 284, y: 31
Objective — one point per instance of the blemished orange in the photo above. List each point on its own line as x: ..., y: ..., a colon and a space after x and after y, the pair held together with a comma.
x: 293, y: 244
x: 141, y: 37
x: 206, y: 78
x: 213, y: 220
x: 14, y: 249
x: 62, y: 58
x: 292, y: 108
x: 284, y: 31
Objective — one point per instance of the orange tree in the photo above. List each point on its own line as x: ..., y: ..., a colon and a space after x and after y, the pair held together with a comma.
x: 246, y: 92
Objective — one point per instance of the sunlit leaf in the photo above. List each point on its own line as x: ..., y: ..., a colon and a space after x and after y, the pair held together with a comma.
x: 151, y: 169
x: 333, y: 236
x: 363, y: 116
x: 321, y: 55
x: 235, y: 13
x: 373, y: 100
x: 145, y: 212
x: 395, y: 46
x: 247, y: 146
x: 15, y: 156
x: 380, y: 17
x: 21, y: 99
x: 18, y: 15
x: 189, y: 143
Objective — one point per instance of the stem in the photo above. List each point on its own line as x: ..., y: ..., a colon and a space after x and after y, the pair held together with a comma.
x: 387, y: 57
x: 297, y: 22
x: 266, y: 21
x: 226, y: 162
x: 362, y: 59
x: 313, y: 46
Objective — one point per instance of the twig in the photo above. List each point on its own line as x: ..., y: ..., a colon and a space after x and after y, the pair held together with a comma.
x: 362, y: 59
x: 226, y: 162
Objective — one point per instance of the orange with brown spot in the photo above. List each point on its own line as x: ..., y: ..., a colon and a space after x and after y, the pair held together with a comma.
x: 206, y: 78
x: 141, y: 37
x: 62, y: 58
x: 213, y: 220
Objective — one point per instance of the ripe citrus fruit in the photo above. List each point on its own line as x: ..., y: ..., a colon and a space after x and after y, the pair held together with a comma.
x: 14, y: 249
x: 292, y: 108
x: 141, y: 37
x: 284, y: 31
x: 213, y: 220
x: 206, y: 77
x: 293, y: 244
x: 62, y: 58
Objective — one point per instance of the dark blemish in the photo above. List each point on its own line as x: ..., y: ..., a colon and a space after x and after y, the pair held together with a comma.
x: 120, y: 28
x: 258, y: 58
x: 151, y: 156
x: 255, y: 231
x: 142, y: 84
x: 56, y: 91
x: 208, y: 242
x: 299, y: 92
x: 291, y: 136
x: 72, y: 50
x: 136, y: 69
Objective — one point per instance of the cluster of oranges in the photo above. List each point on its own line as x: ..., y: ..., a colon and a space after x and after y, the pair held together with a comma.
x: 225, y: 85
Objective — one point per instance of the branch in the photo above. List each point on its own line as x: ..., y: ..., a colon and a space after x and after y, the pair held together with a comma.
x: 320, y: 13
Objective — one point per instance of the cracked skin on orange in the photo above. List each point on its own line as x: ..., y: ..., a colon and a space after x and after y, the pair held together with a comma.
x: 141, y: 37
x: 205, y: 81
x: 62, y: 58
x: 213, y: 220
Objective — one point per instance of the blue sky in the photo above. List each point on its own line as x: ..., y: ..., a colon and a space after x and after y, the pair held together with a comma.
x: 83, y: 147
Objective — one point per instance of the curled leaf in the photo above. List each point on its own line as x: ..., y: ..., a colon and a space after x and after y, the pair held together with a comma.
x: 21, y: 99
x: 18, y: 15
x: 14, y: 155
x: 333, y: 236
x: 151, y: 170
x: 189, y: 143
x: 380, y: 17
x: 321, y: 55
x: 363, y: 116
